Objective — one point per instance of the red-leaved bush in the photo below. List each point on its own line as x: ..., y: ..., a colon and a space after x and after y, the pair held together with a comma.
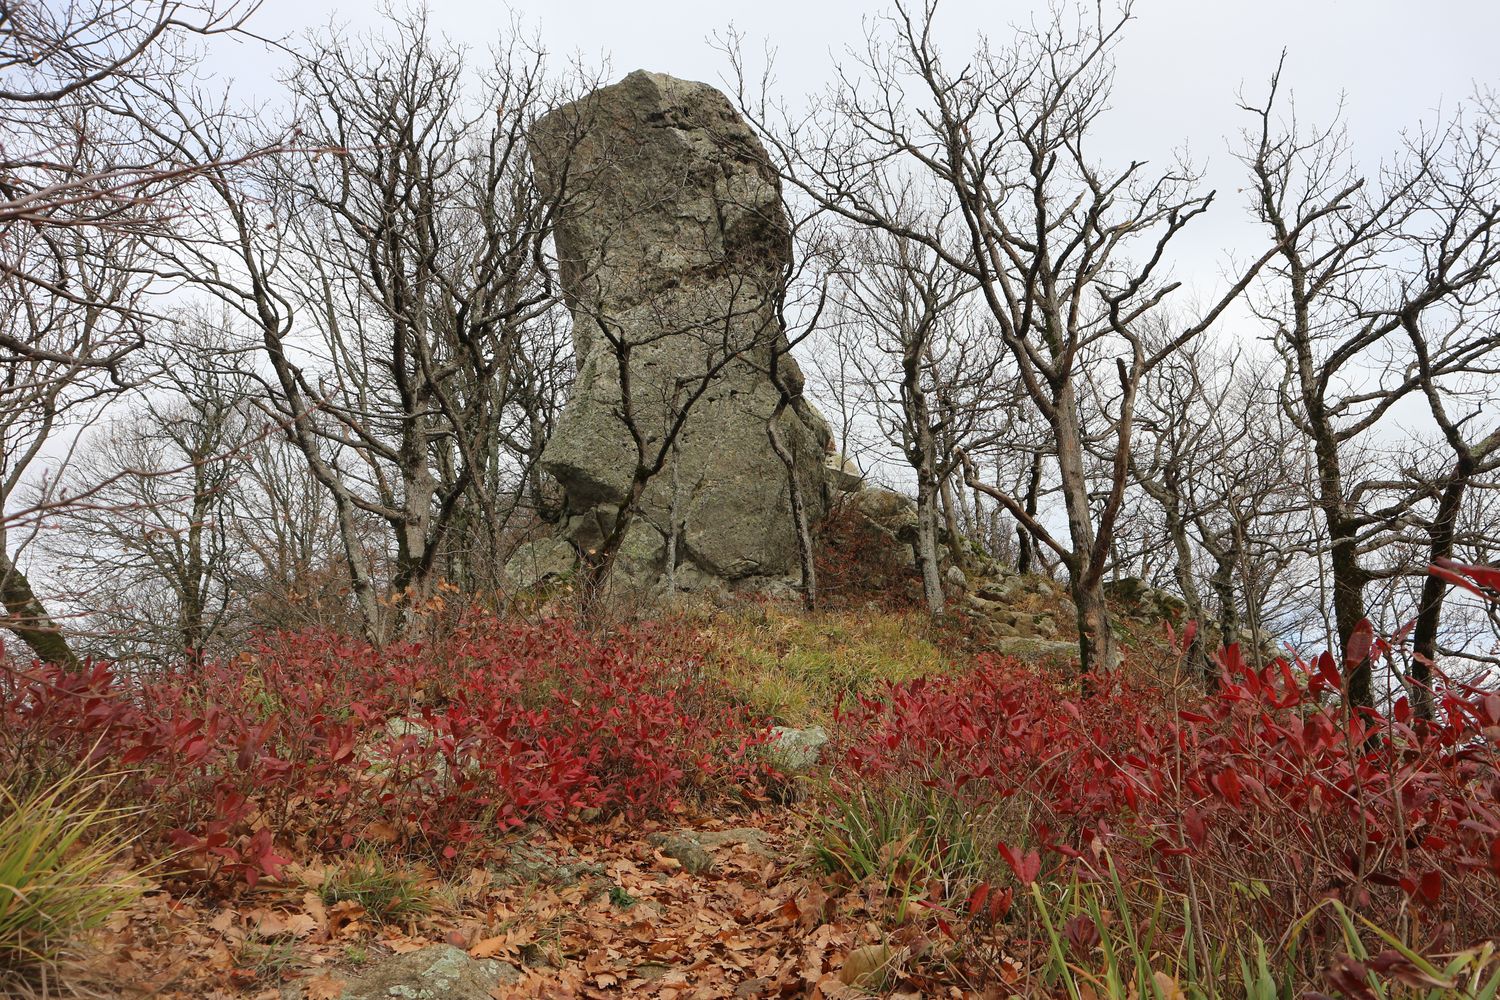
x: 311, y: 741
x: 1257, y: 801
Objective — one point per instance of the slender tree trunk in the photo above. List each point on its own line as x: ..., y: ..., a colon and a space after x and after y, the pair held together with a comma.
x: 956, y: 546
x: 1349, y: 579
x: 927, y: 544
x: 800, y: 521
x: 1200, y: 656
x: 1025, y: 544
x: 921, y: 455
x: 1434, y: 590
x: 674, y: 512
x: 1098, y: 652
x: 361, y: 577
x: 1228, y: 621
x: 194, y: 584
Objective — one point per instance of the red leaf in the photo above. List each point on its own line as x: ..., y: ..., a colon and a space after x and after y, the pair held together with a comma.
x: 1357, y: 649
x: 1430, y: 886
x: 1455, y: 573
x: 1228, y: 784
x: 1197, y: 829
x: 1027, y: 866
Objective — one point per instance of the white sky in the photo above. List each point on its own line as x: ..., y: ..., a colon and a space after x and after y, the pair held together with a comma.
x: 1396, y: 62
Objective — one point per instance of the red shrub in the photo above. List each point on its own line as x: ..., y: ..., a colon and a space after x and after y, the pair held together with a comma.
x: 1261, y: 799
x: 312, y: 740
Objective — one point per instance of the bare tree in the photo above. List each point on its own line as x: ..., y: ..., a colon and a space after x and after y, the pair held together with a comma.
x: 1214, y: 454
x: 79, y: 195
x: 151, y: 556
x: 290, y: 570
x: 1396, y: 274
x: 1065, y: 253
x: 818, y: 255
x: 1456, y: 404
x: 932, y: 366
x: 394, y: 287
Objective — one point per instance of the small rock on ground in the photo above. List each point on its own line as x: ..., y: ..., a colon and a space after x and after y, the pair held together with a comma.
x: 440, y: 972
x: 686, y: 849
x: 795, y: 751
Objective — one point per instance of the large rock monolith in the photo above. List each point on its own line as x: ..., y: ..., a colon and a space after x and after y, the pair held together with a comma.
x: 672, y: 243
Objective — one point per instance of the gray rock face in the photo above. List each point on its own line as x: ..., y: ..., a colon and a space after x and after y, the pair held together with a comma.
x: 671, y: 236
x: 1131, y: 594
x: 540, y: 561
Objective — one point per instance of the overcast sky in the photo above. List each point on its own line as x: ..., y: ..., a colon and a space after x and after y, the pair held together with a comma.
x: 1394, y: 62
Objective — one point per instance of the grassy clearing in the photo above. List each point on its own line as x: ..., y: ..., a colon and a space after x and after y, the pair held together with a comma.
x: 794, y: 667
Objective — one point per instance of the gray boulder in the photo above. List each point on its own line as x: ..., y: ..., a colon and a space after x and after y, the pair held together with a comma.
x: 686, y: 850
x: 1134, y: 596
x: 795, y: 751
x: 892, y: 514
x: 671, y: 237
x: 842, y: 474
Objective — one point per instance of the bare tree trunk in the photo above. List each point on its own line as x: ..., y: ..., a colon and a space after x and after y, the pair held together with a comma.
x: 193, y: 627
x: 1096, y: 639
x: 674, y: 516
x: 1025, y: 541
x: 927, y: 555
x: 1200, y: 657
x: 956, y: 548
x: 1222, y: 583
x: 28, y: 619
x: 1349, y: 579
x: 1434, y: 590
x: 800, y: 520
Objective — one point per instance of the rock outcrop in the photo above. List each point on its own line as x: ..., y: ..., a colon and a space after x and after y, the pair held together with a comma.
x: 673, y: 245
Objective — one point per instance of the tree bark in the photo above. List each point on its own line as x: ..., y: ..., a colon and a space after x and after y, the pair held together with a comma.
x: 1434, y: 590
x: 1025, y: 543
x: 927, y: 555
x: 1098, y: 652
x: 1349, y: 579
x: 28, y: 619
x: 800, y: 522
x: 1222, y: 583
